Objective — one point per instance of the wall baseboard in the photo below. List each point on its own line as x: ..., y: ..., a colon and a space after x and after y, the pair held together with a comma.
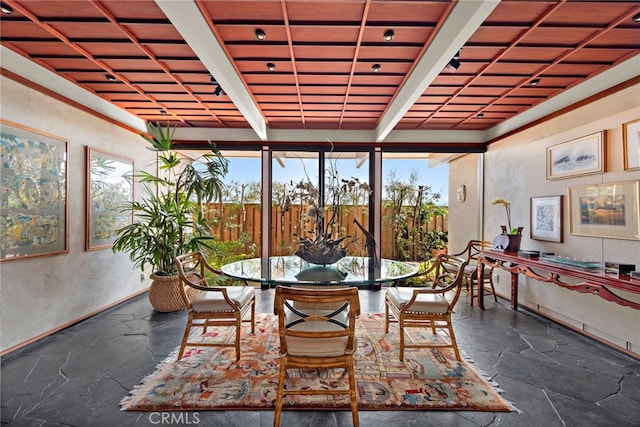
x: 70, y: 323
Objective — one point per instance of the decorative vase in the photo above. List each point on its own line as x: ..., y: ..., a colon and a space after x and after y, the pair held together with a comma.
x: 321, y: 253
x: 514, y: 239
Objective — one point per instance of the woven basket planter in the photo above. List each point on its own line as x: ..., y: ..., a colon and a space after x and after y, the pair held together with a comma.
x: 164, y: 294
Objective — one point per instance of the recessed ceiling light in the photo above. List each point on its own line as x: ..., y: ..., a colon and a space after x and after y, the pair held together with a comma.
x: 271, y: 67
x: 388, y: 35
x: 260, y: 34
x: 109, y: 78
x: 376, y: 68
x: 534, y: 82
x: 7, y: 10
x: 636, y: 18
x: 163, y: 112
x: 480, y: 115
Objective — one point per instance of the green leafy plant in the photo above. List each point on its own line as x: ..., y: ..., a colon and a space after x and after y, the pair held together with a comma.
x: 169, y: 220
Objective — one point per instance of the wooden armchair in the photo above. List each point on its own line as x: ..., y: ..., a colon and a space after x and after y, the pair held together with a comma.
x: 316, y: 334
x: 430, y: 306
x: 470, y: 253
x: 212, y: 306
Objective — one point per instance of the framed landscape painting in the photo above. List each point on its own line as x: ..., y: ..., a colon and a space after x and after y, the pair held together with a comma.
x: 34, y: 181
x: 606, y: 210
x: 109, y: 190
x: 631, y: 145
x: 581, y: 156
x: 546, y: 218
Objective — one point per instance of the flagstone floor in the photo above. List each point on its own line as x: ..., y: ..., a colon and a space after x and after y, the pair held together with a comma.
x: 554, y: 376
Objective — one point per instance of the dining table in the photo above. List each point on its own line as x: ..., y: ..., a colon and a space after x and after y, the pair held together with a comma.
x: 291, y: 270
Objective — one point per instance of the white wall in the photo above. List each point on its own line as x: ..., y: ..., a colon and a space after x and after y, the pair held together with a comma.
x: 515, y: 170
x: 42, y: 294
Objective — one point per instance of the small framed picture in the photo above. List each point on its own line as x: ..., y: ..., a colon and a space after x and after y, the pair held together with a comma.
x: 605, y: 210
x: 580, y: 156
x: 546, y: 218
x: 631, y: 145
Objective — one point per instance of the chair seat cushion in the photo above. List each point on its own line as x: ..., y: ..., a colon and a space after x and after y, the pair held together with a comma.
x: 214, y: 301
x: 316, y: 347
x: 424, y: 303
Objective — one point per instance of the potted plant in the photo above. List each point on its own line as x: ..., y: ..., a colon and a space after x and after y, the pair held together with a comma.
x: 514, y: 235
x: 169, y: 220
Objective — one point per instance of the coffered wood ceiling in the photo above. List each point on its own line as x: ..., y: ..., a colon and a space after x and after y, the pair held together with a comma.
x: 162, y: 55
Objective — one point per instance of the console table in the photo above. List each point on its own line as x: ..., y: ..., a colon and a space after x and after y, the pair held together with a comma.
x: 595, y: 283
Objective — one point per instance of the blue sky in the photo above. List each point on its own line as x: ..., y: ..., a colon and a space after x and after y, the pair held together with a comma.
x: 245, y: 170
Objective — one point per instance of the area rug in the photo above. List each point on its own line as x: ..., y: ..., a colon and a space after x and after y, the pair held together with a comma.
x: 211, y: 379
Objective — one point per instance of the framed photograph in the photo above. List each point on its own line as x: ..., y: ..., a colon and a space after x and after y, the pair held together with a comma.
x: 109, y: 190
x: 605, y: 210
x: 546, y: 218
x: 631, y: 144
x: 34, y: 181
x: 581, y: 156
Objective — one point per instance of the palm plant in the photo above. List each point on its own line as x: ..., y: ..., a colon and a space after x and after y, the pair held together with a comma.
x: 169, y: 220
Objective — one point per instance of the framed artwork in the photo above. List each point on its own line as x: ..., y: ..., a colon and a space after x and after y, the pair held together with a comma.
x: 546, y: 218
x: 631, y: 144
x: 34, y: 181
x: 109, y: 190
x: 605, y: 210
x: 581, y: 156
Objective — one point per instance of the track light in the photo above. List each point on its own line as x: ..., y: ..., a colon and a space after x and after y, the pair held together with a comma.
x: 260, y: 34
x: 271, y: 67
x: 7, y: 10
x: 218, y: 91
x: 454, y: 64
x: 534, y: 82
x: 388, y: 35
x: 110, y: 78
x: 376, y: 68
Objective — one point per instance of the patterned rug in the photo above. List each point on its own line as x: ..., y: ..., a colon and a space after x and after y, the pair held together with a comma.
x: 211, y: 379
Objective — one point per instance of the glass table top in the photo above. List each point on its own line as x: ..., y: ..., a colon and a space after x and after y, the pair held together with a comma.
x: 294, y: 270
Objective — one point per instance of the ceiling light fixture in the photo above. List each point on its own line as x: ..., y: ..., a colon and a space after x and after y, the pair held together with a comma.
x: 213, y: 79
x: 271, y: 67
x: 218, y: 91
x: 480, y: 115
x: 163, y: 112
x: 636, y: 18
x: 534, y: 82
x: 7, y: 10
x: 376, y: 68
x: 260, y: 34
x: 110, y: 78
x: 388, y: 35
x: 454, y: 64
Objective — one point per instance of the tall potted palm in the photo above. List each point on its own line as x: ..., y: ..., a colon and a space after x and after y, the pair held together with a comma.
x: 169, y: 220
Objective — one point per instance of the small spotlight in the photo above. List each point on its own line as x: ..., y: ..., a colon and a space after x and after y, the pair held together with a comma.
x: 271, y: 67
x: 212, y: 79
x: 534, y: 82
x: 218, y: 91
x: 376, y: 68
x: 260, y: 34
x: 109, y: 78
x: 480, y: 115
x: 453, y: 65
x: 7, y: 10
x: 388, y: 35
x: 636, y: 18
x: 163, y: 112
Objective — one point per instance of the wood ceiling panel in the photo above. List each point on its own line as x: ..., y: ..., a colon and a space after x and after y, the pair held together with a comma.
x: 238, y: 10
x: 337, y: 11
x: 316, y: 52
x: 324, y: 34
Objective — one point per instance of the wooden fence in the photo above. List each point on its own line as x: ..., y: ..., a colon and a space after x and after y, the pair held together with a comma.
x: 230, y: 221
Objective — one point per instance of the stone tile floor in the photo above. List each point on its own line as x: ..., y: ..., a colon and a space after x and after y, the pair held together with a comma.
x: 554, y: 376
